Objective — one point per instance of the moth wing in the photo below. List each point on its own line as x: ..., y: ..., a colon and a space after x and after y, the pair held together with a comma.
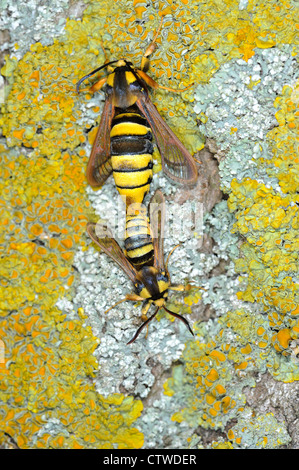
x: 99, y: 164
x: 177, y: 162
x: 102, y: 236
x: 157, y: 219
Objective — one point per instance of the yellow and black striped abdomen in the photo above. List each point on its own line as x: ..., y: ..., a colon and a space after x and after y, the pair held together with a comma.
x: 138, y: 237
x: 131, y: 155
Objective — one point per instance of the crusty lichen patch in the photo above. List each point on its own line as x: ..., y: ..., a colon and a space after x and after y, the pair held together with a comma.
x: 47, y: 392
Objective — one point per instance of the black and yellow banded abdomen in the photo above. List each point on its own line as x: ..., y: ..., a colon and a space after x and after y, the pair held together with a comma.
x: 138, y: 237
x: 131, y: 155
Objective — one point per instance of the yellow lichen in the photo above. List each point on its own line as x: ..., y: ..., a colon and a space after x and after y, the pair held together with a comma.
x: 43, y: 204
x: 44, y: 209
x: 269, y: 220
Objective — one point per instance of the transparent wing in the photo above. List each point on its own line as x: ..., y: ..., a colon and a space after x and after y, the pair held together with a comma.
x: 99, y: 164
x: 102, y: 236
x: 157, y: 219
x: 177, y: 162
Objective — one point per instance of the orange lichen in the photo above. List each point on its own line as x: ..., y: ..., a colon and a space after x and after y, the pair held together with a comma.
x: 44, y: 208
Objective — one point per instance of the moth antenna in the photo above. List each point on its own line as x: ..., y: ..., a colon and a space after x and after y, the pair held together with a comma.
x: 92, y: 73
x: 170, y: 253
x: 180, y: 318
x: 142, y: 326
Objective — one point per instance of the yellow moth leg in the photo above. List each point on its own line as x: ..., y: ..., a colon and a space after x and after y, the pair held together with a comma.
x: 129, y: 297
x: 150, y: 49
x: 144, y: 311
x: 182, y: 288
x: 151, y: 83
x: 98, y: 85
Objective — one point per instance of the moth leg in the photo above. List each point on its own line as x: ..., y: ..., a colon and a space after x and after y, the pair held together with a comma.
x: 144, y: 310
x: 197, y: 161
x: 109, y: 68
x: 151, y: 83
x: 170, y: 253
x: 104, y: 52
x: 129, y: 297
x: 145, y: 61
x: 96, y: 86
x: 186, y: 288
x: 178, y: 287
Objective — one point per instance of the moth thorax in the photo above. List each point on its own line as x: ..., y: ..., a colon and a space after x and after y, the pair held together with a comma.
x: 155, y: 283
x: 124, y: 85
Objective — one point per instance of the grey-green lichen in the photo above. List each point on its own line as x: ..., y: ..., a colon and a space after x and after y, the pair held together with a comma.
x: 236, y: 110
x: 102, y: 284
x: 208, y: 383
x: 24, y: 23
x: 258, y: 432
x: 238, y: 331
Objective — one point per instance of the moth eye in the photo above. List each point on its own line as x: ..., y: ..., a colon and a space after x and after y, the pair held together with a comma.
x: 163, y: 277
x: 138, y: 287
